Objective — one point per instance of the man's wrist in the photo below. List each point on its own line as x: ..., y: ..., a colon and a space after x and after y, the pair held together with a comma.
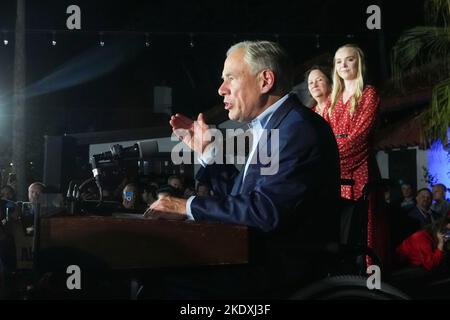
x: 208, y: 155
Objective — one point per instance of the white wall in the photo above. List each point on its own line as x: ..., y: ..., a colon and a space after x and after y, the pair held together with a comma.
x: 422, y: 161
x: 439, y: 163
x: 383, y: 164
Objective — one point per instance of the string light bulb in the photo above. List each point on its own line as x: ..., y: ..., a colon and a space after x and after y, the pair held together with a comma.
x: 147, y: 40
x: 53, y: 39
x: 5, y: 38
x: 317, y: 41
x: 101, y: 42
x: 191, y: 42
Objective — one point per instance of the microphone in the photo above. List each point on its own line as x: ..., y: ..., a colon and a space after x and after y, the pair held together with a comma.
x: 141, y: 150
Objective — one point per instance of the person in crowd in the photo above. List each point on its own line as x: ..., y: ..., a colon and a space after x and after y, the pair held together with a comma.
x: 50, y: 204
x: 131, y: 198
x: 189, y: 191
x: 319, y: 86
x: 351, y: 115
x: 440, y: 205
x: 286, y: 205
x: 408, y: 202
x: 422, y: 213
x: 34, y: 191
x: 203, y: 190
x: 425, y: 248
x: 8, y: 193
x: 149, y: 194
x: 167, y: 191
x: 176, y: 182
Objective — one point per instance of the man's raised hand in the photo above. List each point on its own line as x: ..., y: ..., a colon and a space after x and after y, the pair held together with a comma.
x: 192, y: 133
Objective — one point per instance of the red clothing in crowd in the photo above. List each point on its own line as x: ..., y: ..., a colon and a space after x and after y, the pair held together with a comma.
x: 352, y: 133
x: 418, y: 250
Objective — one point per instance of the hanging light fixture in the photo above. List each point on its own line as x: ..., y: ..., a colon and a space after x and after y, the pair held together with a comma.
x: 147, y: 40
x: 53, y: 39
x: 101, y: 41
x: 191, y: 42
x: 5, y: 38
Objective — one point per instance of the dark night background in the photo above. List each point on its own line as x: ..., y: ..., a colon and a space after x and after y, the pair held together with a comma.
x: 123, y: 97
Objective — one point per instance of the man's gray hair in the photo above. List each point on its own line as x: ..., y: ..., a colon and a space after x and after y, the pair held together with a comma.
x: 260, y: 55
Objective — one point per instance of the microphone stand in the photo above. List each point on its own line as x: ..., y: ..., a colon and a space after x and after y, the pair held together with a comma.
x: 96, y: 172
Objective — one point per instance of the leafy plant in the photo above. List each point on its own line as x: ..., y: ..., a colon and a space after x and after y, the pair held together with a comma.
x: 428, y: 45
x: 437, y: 118
x: 428, y: 177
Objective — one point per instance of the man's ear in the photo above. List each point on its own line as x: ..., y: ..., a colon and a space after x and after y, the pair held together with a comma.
x: 267, y: 78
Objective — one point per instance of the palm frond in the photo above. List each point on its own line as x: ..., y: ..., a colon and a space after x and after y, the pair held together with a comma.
x: 437, y: 120
x: 437, y: 11
x: 417, y: 46
x: 427, y: 44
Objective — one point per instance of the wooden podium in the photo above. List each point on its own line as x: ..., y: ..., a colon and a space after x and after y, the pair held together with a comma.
x: 130, y: 242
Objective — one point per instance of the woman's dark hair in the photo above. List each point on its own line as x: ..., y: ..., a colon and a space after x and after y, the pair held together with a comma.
x: 325, y: 70
x: 439, y: 225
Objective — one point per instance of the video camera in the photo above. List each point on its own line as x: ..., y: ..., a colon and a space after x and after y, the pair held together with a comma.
x: 116, y: 157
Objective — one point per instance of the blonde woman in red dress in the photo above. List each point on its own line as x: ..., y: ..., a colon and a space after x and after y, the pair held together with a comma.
x: 351, y: 114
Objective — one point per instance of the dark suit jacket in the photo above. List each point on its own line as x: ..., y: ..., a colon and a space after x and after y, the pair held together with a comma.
x: 416, y: 215
x: 298, y: 205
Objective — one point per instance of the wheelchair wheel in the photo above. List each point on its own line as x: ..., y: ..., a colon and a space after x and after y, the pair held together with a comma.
x: 347, y: 287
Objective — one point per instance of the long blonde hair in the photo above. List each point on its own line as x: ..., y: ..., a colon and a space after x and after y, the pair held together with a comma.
x: 338, y: 82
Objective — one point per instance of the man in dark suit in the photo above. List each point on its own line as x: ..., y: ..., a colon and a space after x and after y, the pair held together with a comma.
x: 292, y: 202
x: 421, y: 213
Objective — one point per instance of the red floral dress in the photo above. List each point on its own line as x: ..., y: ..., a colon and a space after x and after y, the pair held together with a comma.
x: 316, y: 110
x: 353, y: 133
